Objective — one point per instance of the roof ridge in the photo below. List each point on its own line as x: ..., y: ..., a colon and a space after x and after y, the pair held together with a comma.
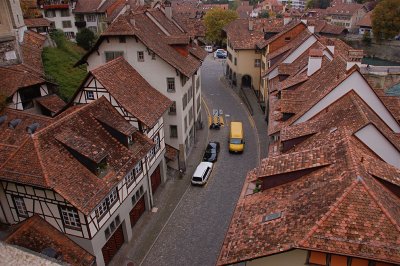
x: 375, y: 199
x: 328, y: 213
x: 45, y: 175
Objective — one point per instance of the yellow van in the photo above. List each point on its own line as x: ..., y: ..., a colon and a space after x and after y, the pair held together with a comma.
x: 236, y: 137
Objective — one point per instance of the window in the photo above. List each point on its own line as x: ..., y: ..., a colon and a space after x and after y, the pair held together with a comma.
x: 190, y: 93
x: 49, y: 13
x: 112, y: 55
x: 101, y: 209
x: 91, y: 18
x: 93, y: 28
x: 69, y: 34
x: 153, y: 56
x: 20, y: 206
x: 138, y: 168
x: 172, y: 108
x: 171, y: 84
x: 89, y: 95
x: 184, y: 101
x: 173, y: 131
x: 129, y: 178
x: 70, y: 217
x: 235, y: 61
x: 197, y: 84
x: 186, y: 123
x: 287, y: 39
x: 191, y: 115
x: 151, y: 153
x: 140, y: 56
x: 156, y: 140
x: 66, y: 24
x: 65, y: 13
x: 122, y: 39
x: 257, y: 63
x: 112, y: 198
x: 111, y: 228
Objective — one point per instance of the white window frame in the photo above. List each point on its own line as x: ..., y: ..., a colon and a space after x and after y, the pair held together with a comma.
x: 70, y: 217
x: 91, y: 18
x: 20, y: 206
x: 90, y: 95
x: 138, y: 168
x: 171, y: 87
x: 140, y: 56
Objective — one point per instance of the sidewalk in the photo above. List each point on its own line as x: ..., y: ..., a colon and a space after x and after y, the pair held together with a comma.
x: 166, y: 199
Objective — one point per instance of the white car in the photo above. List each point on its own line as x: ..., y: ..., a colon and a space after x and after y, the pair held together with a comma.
x: 203, y: 171
x: 220, y: 53
x: 208, y: 48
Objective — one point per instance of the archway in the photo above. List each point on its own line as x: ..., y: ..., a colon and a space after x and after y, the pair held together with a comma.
x: 246, y: 81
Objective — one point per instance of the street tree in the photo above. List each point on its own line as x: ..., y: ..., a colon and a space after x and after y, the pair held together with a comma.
x: 215, y: 20
x: 386, y: 19
x: 85, y: 38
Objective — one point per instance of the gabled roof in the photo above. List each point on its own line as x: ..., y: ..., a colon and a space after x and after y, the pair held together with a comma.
x: 338, y: 207
x: 344, y: 9
x: 366, y: 20
x: 51, y: 102
x: 37, y: 234
x: 132, y: 91
x: 15, y: 77
x: 263, y: 43
x: 141, y: 25
x: 53, y: 166
x: 36, y: 22
x: 240, y: 37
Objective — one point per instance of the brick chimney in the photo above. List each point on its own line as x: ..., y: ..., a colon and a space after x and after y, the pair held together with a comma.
x: 314, y: 61
x: 354, y: 57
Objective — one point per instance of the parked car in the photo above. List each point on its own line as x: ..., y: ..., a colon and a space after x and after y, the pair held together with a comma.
x: 202, y: 173
x: 211, y: 152
x: 208, y: 48
x: 220, y: 53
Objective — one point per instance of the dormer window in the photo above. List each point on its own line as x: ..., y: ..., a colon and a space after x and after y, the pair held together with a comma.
x: 130, y: 140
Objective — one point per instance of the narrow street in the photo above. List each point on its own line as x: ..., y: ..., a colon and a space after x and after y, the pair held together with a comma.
x: 194, y: 233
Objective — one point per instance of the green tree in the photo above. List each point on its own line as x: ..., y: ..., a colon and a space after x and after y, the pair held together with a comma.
x: 85, y: 38
x: 263, y: 14
x: 215, y: 20
x: 367, y: 38
x: 386, y: 19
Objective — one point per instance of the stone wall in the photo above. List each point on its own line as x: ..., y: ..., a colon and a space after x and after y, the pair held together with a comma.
x: 387, y: 50
x: 8, y: 53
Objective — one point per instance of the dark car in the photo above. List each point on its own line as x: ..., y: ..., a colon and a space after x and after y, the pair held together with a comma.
x: 211, y: 153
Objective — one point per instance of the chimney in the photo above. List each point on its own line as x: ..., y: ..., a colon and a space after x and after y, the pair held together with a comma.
x: 314, y: 61
x: 168, y: 9
x: 311, y: 28
x: 354, y: 57
x: 286, y: 19
x: 251, y: 25
x: 132, y: 21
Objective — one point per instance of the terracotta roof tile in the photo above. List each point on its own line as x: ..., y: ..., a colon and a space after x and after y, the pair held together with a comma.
x: 52, y: 102
x: 171, y: 153
x: 36, y: 234
x: 62, y: 172
x: 344, y: 9
x: 37, y: 22
x: 87, y: 6
x: 132, y: 91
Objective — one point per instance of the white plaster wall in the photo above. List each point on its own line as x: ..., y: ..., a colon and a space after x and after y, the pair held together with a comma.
x: 296, y: 257
x: 58, y: 19
x: 300, y: 50
x: 358, y: 84
x: 374, y: 139
x: 155, y: 72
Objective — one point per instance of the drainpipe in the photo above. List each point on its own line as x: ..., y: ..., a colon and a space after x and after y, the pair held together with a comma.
x: 194, y: 108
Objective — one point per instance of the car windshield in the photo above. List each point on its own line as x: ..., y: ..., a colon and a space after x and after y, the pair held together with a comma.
x: 197, y: 178
x: 236, y: 141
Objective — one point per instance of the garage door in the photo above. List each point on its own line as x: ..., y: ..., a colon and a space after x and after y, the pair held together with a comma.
x: 137, y: 211
x: 155, y: 179
x: 113, y: 245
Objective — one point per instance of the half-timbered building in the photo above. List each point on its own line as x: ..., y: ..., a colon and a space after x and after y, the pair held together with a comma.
x: 165, y: 56
x: 85, y: 172
x: 137, y: 101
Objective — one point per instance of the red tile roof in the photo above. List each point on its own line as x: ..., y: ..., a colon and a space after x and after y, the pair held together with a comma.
x: 87, y: 6
x: 53, y: 166
x: 366, y: 20
x: 139, y: 24
x: 132, y: 91
x: 36, y: 22
x: 52, y: 102
x: 344, y: 9
x: 36, y: 234
x: 331, y: 204
x: 240, y: 37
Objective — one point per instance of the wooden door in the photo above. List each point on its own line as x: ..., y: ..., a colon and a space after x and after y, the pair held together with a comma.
x: 137, y: 211
x: 155, y: 179
x: 113, y: 245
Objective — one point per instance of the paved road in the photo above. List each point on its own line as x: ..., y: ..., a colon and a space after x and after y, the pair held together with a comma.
x: 195, y: 232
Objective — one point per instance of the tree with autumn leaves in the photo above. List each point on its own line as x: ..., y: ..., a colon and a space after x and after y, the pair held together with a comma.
x: 386, y: 19
x: 215, y: 20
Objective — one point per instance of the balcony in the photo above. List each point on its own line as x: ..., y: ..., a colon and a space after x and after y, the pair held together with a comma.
x: 55, y: 4
x: 80, y: 24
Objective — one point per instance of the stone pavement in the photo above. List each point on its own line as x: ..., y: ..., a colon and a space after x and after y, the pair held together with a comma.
x: 169, y: 194
x: 167, y: 197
